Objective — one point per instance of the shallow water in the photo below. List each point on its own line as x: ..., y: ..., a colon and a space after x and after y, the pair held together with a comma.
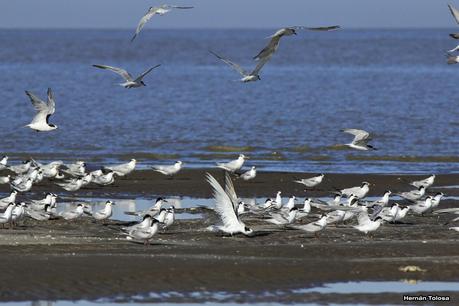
x: 378, y: 290
x: 394, y: 83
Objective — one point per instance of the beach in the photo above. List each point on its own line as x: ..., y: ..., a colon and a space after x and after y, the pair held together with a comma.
x: 83, y: 259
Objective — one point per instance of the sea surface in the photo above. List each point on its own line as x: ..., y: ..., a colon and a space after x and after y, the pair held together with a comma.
x: 394, y: 83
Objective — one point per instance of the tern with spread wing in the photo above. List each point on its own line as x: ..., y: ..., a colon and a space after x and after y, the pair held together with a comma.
x: 273, y: 44
x: 130, y: 82
x: 246, y: 75
x: 40, y: 122
x: 360, y: 141
x: 159, y: 10
x: 226, y: 207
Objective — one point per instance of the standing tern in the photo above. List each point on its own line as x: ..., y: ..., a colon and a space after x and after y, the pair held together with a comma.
x: 17, y: 213
x: 21, y: 168
x: 130, y: 81
x: 123, y: 169
x: 104, y: 213
x: 360, y: 191
x: 22, y: 186
x: 160, y: 10
x: 314, y: 227
x: 311, y: 182
x: 360, y: 141
x: 3, y: 162
x: 304, y: 212
x: 5, y: 217
x: 227, y: 209
x: 233, y: 165
x: 73, y: 213
x: 283, y: 217
x: 249, y: 175
x: 366, y: 225
x: 5, y: 179
x: 144, y: 233
x: 40, y: 122
x: 169, y: 170
x: 105, y: 179
x: 153, y: 210
x: 413, y: 195
x: 422, y: 206
x: 427, y: 182
x: 246, y: 75
x: 40, y: 215
x: 170, y: 217
x: 9, y: 199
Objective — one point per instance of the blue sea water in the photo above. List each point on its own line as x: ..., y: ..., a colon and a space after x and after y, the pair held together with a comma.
x: 394, y: 83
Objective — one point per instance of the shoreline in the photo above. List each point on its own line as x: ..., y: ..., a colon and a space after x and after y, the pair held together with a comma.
x: 191, y: 183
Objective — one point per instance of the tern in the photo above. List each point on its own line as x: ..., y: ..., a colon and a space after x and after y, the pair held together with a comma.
x: 144, y: 234
x: 311, y: 182
x: 283, y: 217
x: 170, y: 217
x: 105, y: 179
x: 130, y: 82
x: 226, y: 208
x: 436, y: 199
x: 40, y: 204
x: 250, y: 174
x: 40, y: 122
x: 304, y: 212
x: 277, y: 203
x: 273, y: 45
x: 9, y: 199
x: 40, y: 215
x: 146, y: 222
x: 452, y: 59
x: 5, y: 179
x: 448, y: 210
x: 359, y: 192
x: 420, y: 207
x: 123, y: 169
x: 6, y: 216
x: 76, y: 169
x: 233, y: 165
x: 246, y: 76
x: 72, y: 185
x: 366, y: 225
x: 151, y: 211
x: 389, y: 214
x: 413, y: 195
x: 360, y: 141
x: 383, y: 201
x: 73, y: 214
x: 23, y: 186
x: 104, y: 213
x: 427, y: 182
x: 314, y: 227
x: 160, y: 10
x: 402, y: 212
x: 18, y: 212
x: 3, y: 162
x: 169, y: 170
x: 21, y: 168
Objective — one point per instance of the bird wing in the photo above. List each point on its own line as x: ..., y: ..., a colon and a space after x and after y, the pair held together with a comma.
x: 360, y: 135
x: 270, y: 48
x: 51, y: 102
x: 328, y: 28
x: 447, y: 210
x: 363, y: 218
x: 230, y: 191
x: 140, y: 77
x: 41, y: 107
x: 454, y: 12
x: 223, y: 204
x: 231, y: 64
x: 166, y: 6
x: 116, y: 70
x: 260, y: 65
x: 143, y: 21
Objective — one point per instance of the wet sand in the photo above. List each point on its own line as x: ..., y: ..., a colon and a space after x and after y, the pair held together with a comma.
x: 82, y: 259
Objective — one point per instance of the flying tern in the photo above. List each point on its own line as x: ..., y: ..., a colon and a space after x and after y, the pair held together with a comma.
x: 360, y: 141
x: 40, y: 122
x: 246, y: 75
x: 130, y: 82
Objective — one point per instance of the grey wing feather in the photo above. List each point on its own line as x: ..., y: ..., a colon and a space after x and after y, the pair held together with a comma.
x: 51, y: 102
x: 140, y: 77
x: 260, y: 65
x: 230, y: 191
x: 142, y: 22
x: 328, y: 28
x: 454, y: 12
x: 116, y: 70
x: 230, y: 63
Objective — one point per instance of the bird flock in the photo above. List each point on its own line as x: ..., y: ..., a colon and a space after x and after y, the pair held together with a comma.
x: 348, y: 205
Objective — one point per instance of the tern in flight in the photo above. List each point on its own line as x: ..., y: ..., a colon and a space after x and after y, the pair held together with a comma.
x: 130, y: 81
x: 158, y: 10
x: 360, y: 141
x: 44, y: 109
x: 246, y: 75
